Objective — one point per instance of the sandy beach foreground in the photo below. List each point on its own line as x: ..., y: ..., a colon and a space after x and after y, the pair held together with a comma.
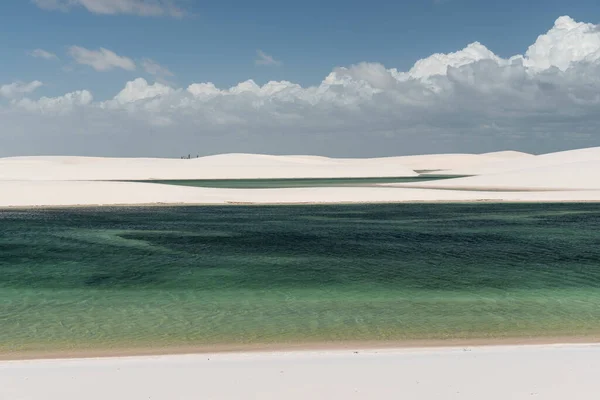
x: 493, y: 373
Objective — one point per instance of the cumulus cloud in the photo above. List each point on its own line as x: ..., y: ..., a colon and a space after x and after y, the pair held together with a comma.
x: 437, y: 64
x: 40, y: 53
x: 266, y: 59
x: 17, y: 89
x: 101, y: 60
x: 566, y: 43
x: 146, y: 8
x: 137, y: 90
x: 470, y: 100
x: 56, y: 105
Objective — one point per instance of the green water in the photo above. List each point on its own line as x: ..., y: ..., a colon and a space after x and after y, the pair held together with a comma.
x: 299, y: 183
x: 136, y: 277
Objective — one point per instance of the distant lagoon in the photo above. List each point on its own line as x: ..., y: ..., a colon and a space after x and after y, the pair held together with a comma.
x: 295, y: 183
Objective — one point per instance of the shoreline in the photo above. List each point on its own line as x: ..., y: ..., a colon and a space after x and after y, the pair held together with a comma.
x: 290, y: 204
x: 354, y: 346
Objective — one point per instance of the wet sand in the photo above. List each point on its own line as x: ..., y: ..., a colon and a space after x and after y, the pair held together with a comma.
x: 287, y: 347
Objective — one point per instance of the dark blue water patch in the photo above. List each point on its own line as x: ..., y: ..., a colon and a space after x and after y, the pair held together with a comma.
x: 433, y: 247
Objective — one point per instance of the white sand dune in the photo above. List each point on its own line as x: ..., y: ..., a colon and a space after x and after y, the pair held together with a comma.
x: 226, y: 166
x: 528, y: 163
x: 73, y: 193
x: 236, y: 166
x: 435, y: 162
x: 571, y: 176
x: 490, y: 373
x: 508, y: 154
x: 440, y: 162
x: 53, y: 181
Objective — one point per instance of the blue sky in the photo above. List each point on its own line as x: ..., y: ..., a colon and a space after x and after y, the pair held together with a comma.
x: 348, y: 78
x: 217, y: 41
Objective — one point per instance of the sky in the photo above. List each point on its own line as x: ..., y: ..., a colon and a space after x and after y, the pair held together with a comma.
x: 347, y: 78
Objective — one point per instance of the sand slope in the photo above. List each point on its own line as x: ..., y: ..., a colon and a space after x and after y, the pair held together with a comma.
x: 490, y: 373
x: 526, y: 163
x: 578, y: 175
x: 508, y: 154
x: 439, y: 162
x: 72, y: 193
x: 566, y: 170
x: 226, y: 166
x: 236, y: 166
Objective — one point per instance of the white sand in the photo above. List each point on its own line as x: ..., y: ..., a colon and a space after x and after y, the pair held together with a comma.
x: 528, y: 163
x: 490, y: 373
x: 226, y: 166
x: 508, y: 154
x: 236, y: 166
x: 55, y: 181
x: 73, y: 193
x: 441, y: 162
x: 583, y: 175
x: 566, y: 171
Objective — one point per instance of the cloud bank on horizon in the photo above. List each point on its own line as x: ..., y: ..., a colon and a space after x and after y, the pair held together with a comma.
x: 469, y: 101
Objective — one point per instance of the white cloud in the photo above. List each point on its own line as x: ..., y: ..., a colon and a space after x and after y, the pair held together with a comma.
x: 266, y: 59
x: 146, y: 8
x: 101, y: 60
x: 437, y: 64
x: 203, y: 89
x: 16, y: 89
x: 56, y: 105
x: 469, y: 100
x: 155, y: 69
x: 40, y: 53
x: 138, y: 90
x: 567, y: 42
